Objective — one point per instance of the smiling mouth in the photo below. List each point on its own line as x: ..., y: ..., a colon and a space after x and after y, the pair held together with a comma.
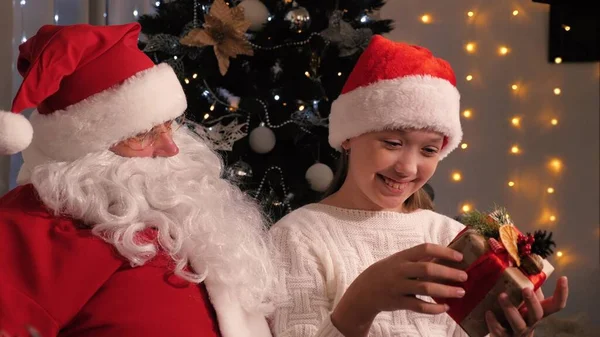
x: 393, y: 184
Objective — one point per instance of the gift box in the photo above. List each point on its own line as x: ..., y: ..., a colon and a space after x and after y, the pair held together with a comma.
x: 497, y: 259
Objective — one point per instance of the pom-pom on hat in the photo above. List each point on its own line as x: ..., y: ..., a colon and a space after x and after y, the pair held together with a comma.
x: 397, y: 86
x: 92, y: 88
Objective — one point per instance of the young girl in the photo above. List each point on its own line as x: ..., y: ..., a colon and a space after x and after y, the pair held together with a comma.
x: 358, y: 262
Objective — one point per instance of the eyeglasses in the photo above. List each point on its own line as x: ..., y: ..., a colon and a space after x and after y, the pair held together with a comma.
x: 146, y: 139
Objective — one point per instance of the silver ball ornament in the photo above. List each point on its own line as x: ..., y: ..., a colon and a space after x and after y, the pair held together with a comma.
x: 319, y: 176
x: 262, y: 140
x: 256, y: 12
x: 298, y: 18
x: 239, y: 171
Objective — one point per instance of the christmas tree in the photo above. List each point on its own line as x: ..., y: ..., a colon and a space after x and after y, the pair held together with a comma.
x: 260, y: 77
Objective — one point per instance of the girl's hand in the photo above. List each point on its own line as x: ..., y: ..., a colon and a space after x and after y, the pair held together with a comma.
x: 392, y: 283
x: 522, y: 322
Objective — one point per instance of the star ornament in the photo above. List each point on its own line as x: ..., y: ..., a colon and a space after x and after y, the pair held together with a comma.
x: 224, y: 29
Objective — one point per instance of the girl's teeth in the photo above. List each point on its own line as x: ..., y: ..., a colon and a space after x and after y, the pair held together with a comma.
x: 391, y: 183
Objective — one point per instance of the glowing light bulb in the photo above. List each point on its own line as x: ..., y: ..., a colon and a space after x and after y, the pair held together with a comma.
x: 175, y: 57
x: 307, y: 74
x: 212, y: 107
x: 276, y: 97
x: 515, y: 12
x: 514, y: 87
x: 470, y: 14
x: 557, y: 91
x: 157, y: 4
x: 558, y: 60
x: 301, y: 108
x: 550, y: 190
x: 426, y: 18
x: 340, y: 73
x: 186, y: 81
x: 556, y: 165
x: 456, y: 176
x: 195, y: 76
x: 515, y: 149
x: 559, y: 254
x: 466, y: 208
x: 23, y: 2
x: 566, y: 28
x: 554, y: 121
x: 470, y: 47
x: 503, y: 50
x: 206, y: 116
x: 511, y: 183
x: 55, y: 18
x: 467, y: 113
x: 516, y: 121
x: 552, y: 218
x: 464, y: 146
x: 135, y: 13
x: 469, y: 77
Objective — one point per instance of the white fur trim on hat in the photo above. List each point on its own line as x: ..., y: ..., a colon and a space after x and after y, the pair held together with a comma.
x: 143, y: 101
x: 15, y: 133
x: 415, y: 102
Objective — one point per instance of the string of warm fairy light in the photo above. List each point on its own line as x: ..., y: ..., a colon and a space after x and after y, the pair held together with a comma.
x: 555, y: 165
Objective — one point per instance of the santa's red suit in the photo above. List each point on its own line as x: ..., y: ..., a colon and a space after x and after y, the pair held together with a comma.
x: 48, y: 282
x: 93, y: 88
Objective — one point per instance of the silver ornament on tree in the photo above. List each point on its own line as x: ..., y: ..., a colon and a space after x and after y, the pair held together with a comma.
x: 222, y: 137
x: 347, y: 39
x: 319, y: 177
x: 306, y: 115
x: 298, y: 18
x: 239, y: 171
x: 255, y: 12
x: 262, y: 139
x: 276, y: 70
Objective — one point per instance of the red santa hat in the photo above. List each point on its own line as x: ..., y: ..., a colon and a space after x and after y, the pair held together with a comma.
x: 92, y: 87
x: 397, y: 86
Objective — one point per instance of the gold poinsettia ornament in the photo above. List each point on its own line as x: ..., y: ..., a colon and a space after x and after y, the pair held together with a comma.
x: 224, y: 28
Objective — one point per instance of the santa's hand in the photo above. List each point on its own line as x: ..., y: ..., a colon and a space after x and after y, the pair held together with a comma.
x: 522, y: 322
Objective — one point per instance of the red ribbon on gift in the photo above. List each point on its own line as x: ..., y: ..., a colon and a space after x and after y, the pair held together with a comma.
x: 483, y: 274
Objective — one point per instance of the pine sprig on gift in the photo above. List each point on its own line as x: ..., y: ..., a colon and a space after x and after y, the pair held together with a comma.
x: 500, y: 214
x: 482, y: 223
x: 543, y: 243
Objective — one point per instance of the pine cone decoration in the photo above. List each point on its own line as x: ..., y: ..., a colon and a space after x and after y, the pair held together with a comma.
x: 543, y: 243
x: 532, y: 264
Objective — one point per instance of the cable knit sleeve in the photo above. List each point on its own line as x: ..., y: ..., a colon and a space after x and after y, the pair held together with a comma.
x: 448, y: 230
x: 305, y: 309
x: 459, y: 332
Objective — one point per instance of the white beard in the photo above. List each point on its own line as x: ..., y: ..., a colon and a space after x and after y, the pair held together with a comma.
x: 202, y: 220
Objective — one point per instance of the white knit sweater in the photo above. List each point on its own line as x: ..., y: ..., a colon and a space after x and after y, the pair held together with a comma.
x: 322, y: 249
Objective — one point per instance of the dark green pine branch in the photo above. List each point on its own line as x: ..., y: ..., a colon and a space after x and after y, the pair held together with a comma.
x: 482, y: 223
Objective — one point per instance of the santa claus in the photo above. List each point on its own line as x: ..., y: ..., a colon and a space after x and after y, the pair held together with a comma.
x: 121, y: 225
